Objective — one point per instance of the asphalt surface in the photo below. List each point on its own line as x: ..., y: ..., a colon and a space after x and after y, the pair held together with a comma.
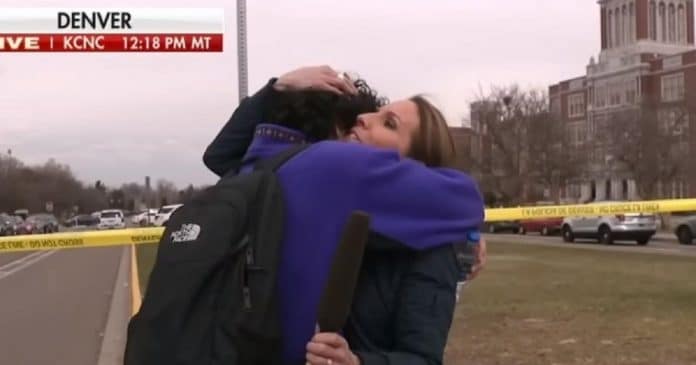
x: 662, y: 243
x: 55, y: 305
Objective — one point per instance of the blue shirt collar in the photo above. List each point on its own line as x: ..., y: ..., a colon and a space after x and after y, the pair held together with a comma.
x: 269, y: 140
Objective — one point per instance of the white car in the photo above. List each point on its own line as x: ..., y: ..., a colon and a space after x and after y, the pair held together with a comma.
x: 608, y: 228
x: 145, y: 218
x: 164, y: 213
x: 111, y: 219
x: 685, y: 223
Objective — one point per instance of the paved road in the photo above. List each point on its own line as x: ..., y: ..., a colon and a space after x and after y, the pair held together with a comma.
x: 55, y: 305
x: 660, y: 244
x: 6, y: 258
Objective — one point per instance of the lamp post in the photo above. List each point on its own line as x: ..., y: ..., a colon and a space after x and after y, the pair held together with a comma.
x: 242, y: 70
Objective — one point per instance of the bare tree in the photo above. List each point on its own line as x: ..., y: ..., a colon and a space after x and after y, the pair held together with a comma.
x: 552, y: 156
x: 648, y: 143
x: 167, y: 192
x: 32, y: 187
x: 523, y: 149
x: 51, y: 185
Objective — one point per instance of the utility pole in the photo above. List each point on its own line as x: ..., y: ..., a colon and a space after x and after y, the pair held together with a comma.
x: 242, y: 70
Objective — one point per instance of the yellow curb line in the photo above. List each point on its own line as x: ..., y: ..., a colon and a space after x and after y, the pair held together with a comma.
x: 136, y: 296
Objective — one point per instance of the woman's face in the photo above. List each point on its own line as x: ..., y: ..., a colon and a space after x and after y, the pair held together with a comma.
x: 392, y: 126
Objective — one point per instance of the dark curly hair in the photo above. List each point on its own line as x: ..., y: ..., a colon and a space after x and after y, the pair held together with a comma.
x: 318, y: 114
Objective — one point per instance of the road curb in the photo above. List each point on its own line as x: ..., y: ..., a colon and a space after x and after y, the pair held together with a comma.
x: 136, y: 294
x: 114, y: 339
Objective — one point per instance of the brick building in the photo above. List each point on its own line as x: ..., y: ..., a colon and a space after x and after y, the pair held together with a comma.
x: 647, y: 58
x: 465, y: 141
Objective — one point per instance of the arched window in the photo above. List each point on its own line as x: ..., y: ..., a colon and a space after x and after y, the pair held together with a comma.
x: 624, y: 189
x: 625, y: 25
x: 681, y: 25
x: 631, y: 23
x: 617, y: 27
x: 672, y: 24
x: 663, y: 23
x: 610, y: 30
x: 653, y: 20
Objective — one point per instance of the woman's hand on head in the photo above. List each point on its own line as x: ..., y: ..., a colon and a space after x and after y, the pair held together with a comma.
x: 320, y: 78
x: 330, y: 348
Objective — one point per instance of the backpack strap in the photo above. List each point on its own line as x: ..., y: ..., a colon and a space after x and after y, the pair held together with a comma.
x: 273, y: 163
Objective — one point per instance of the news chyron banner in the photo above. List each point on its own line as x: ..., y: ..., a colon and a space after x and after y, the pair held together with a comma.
x: 111, y: 30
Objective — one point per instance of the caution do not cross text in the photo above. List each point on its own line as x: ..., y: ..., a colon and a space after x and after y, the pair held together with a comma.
x: 585, y: 210
x: 136, y: 236
x: 42, y: 244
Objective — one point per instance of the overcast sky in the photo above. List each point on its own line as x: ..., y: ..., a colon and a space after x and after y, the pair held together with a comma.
x: 120, y: 117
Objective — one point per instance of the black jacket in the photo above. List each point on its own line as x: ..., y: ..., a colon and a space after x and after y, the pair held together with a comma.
x: 404, y: 300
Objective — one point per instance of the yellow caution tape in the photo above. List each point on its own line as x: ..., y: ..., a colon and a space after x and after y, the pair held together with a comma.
x: 593, y: 209
x: 64, y: 240
x: 152, y: 235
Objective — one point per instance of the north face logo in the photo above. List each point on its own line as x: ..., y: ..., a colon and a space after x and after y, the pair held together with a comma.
x: 187, y: 233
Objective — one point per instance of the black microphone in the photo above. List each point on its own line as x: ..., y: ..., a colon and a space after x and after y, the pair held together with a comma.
x: 337, y: 297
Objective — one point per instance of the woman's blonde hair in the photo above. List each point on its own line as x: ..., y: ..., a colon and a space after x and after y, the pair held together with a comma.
x: 432, y: 142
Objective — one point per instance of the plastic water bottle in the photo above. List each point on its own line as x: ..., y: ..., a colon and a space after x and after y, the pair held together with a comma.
x: 466, y: 258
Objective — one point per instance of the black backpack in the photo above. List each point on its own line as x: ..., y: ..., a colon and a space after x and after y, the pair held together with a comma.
x: 211, y: 297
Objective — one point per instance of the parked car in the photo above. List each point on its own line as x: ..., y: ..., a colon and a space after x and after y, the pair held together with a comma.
x: 39, y: 223
x: 545, y: 226
x: 164, y: 213
x: 23, y: 213
x: 145, y: 218
x: 7, y: 225
x: 500, y: 227
x: 15, y: 223
x: 83, y: 220
x: 111, y: 219
x: 640, y: 227
x: 685, y: 227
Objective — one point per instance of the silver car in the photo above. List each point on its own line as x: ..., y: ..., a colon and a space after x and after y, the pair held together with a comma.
x: 639, y: 227
x: 685, y: 224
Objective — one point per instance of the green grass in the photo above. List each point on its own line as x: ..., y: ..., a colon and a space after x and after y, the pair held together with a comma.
x: 146, y: 259
x: 542, y: 305
x: 538, y: 305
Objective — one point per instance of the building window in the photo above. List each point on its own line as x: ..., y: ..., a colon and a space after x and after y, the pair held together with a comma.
x: 673, y: 122
x: 672, y: 23
x: 624, y: 25
x: 631, y: 23
x: 663, y: 23
x: 631, y: 92
x: 600, y: 96
x: 591, y: 128
x: 576, y: 105
x: 653, y: 21
x: 617, y: 27
x: 615, y: 90
x: 577, y: 133
x: 624, y: 189
x: 673, y: 87
x: 609, y: 29
x: 555, y: 107
x: 681, y: 25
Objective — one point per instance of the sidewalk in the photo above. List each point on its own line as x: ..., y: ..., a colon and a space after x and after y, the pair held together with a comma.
x: 114, y: 341
x: 665, y: 236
